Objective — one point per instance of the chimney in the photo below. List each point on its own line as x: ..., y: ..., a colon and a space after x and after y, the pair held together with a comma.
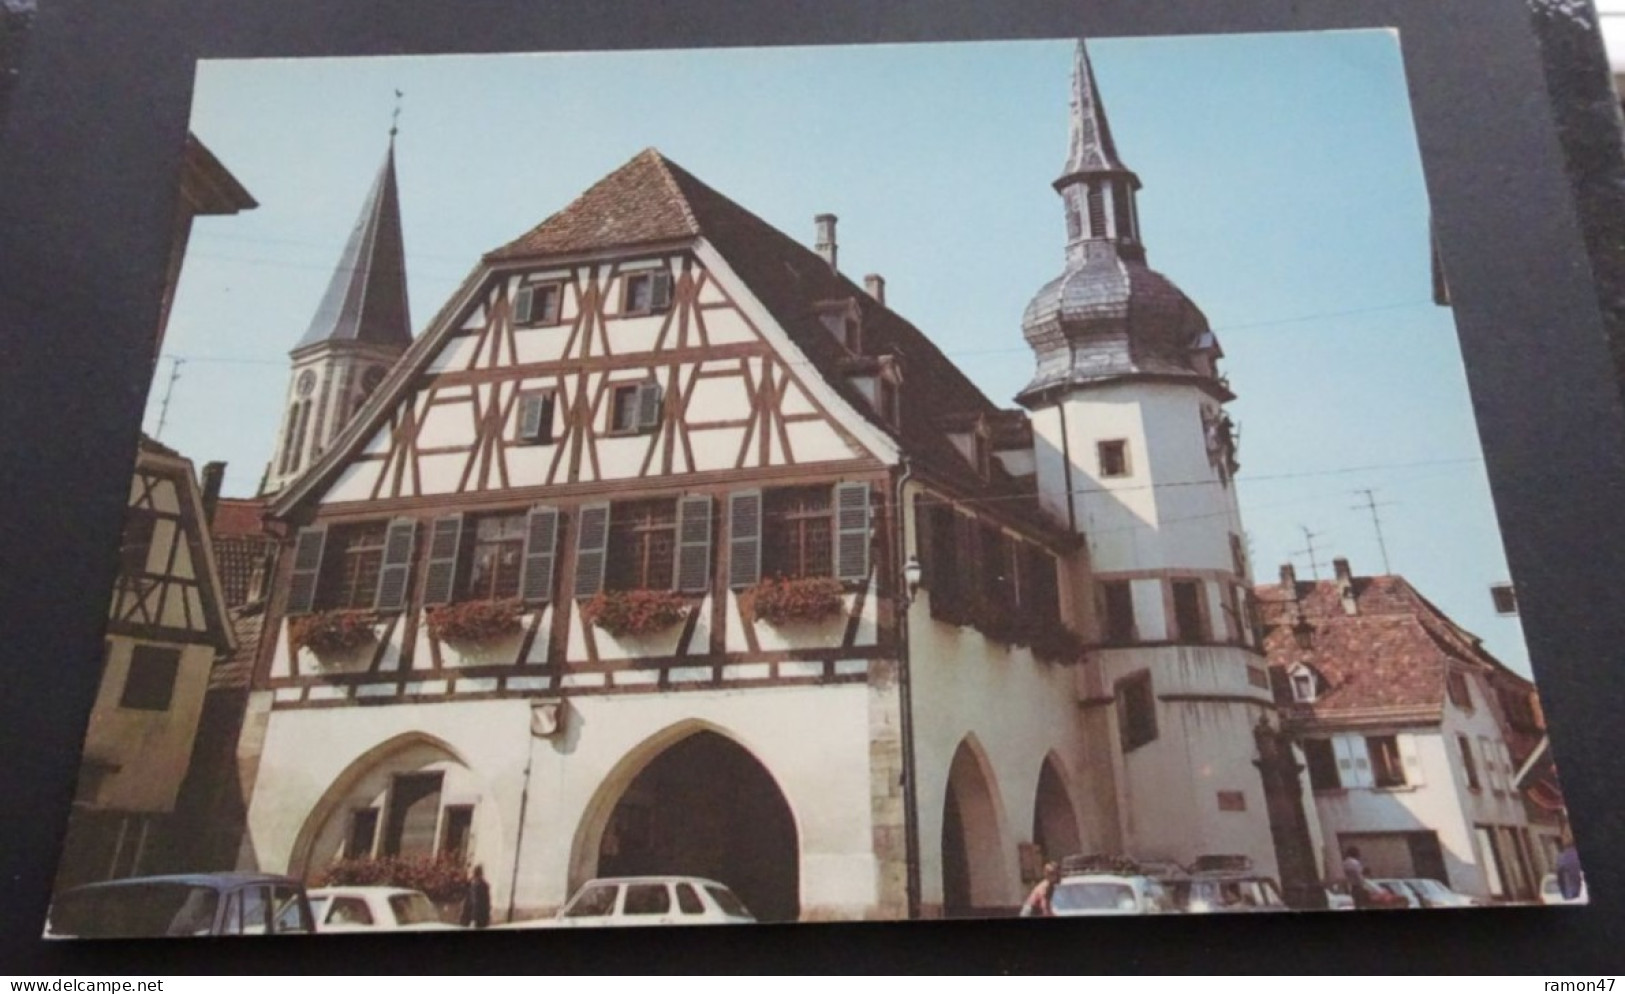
x: 214, y: 474
x: 876, y: 285
x: 824, y: 244
x: 1289, y: 580
x: 1345, y: 585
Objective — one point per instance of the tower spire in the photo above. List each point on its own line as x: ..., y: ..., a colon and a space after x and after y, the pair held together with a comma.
x: 1097, y: 188
x: 1092, y: 149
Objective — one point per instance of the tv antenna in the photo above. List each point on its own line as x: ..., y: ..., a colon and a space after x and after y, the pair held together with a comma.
x: 1376, y: 522
x: 175, y: 364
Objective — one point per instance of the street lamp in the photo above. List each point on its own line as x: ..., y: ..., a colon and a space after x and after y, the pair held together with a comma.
x: 911, y: 579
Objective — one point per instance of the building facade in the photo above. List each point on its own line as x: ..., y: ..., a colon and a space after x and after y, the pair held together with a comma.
x: 666, y: 547
x: 1412, y: 735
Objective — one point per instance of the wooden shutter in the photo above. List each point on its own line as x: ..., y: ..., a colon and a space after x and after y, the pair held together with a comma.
x: 531, y: 406
x: 522, y: 303
x: 307, y: 567
x: 592, y: 545
x: 445, y: 543
x: 1345, y: 748
x: 541, y: 547
x: 660, y: 290
x: 648, y: 405
x: 397, y: 566
x: 744, y: 538
x: 851, y: 531
x: 1412, y: 760
x: 694, y: 544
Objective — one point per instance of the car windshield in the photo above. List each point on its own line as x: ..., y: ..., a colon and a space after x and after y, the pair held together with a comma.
x: 1432, y: 888
x: 1092, y: 896
x: 412, y: 909
x: 594, y: 902
x: 730, y: 905
x: 136, y: 910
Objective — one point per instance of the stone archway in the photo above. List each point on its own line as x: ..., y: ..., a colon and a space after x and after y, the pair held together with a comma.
x: 703, y: 806
x: 973, y: 852
x: 1055, y: 822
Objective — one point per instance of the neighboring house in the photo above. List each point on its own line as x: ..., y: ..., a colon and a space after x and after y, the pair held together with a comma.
x: 1412, y: 735
x: 615, y: 571
x: 166, y: 625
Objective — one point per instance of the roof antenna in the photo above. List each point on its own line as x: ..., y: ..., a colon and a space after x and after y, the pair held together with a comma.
x: 395, y: 117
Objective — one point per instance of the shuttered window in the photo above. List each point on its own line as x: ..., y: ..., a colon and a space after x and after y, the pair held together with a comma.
x: 395, y: 570
x: 541, y: 553
x: 307, y: 566
x: 744, y: 538
x: 646, y: 293
x: 635, y: 407
x: 592, y: 542
x: 799, y: 540
x: 1322, y: 762
x: 445, y: 543
x: 851, y: 531
x: 1353, y: 761
x: 350, y: 566
x: 694, y: 544
x: 414, y: 814
x: 642, y: 545
x: 536, y: 411
x: 648, y: 405
x: 1387, y: 766
x: 537, y: 304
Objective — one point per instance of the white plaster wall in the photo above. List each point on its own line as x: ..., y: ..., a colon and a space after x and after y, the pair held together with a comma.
x: 151, y: 748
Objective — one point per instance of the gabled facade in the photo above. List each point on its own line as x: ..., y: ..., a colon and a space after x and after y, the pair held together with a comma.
x: 166, y: 625
x: 666, y: 547
x: 1412, y: 735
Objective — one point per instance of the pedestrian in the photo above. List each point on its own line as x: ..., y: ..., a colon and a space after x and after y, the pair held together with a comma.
x: 477, y: 900
x: 1570, y: 879
x: 1040, y: 902
x: 1354, y: 876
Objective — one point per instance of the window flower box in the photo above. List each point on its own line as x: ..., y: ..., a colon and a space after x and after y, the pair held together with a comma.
x: 475, y: 621
x: 332, y: 631
x: 780, y: 601
x: 635, y: 612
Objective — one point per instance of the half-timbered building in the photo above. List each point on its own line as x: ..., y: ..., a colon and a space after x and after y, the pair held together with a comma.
x: 666, y: 547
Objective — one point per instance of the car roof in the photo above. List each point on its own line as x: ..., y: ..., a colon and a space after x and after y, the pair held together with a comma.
x: 1121, y: 878
x: 213, y: 881
x: 360, y: 890
x: 656, y: 879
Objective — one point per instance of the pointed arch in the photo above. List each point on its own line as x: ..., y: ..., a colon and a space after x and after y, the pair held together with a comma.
x: 1056, y: 825
x: 369, y: 763
x: 974, y: 835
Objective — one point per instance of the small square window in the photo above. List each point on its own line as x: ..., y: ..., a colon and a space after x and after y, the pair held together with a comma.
x: 1505, y: 598
x: 1387, y: 768
x: 150, y: 684
x: 1468, y: 765
x: 536, y: 410
x: 646, y: 293
x: 1113, y: 458
x: 1189, y: 617
x: 1303, y: 685
x: 538, y: 304
x: 634, y: 407
x: 1461, y: 693
x: 1117, y: 612
x: 1136, y: 711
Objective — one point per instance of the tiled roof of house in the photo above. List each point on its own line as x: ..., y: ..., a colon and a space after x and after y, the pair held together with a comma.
x: 652, y: 200
x: 240, y: 545
x: 234, y: 671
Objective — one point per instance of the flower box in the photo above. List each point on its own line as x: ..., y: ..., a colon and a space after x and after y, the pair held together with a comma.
x: 332, y: 631
x: 635, y: 612
x: 475, y: 621
x: 780, y: 601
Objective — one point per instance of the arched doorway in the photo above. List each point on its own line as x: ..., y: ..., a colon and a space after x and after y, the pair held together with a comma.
x: 1055, y: 824
x: 972, y: 855
x: 706, y: 807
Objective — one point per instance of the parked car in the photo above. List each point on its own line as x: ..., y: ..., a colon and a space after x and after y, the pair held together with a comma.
x: 1430, y: 893
x: 1551, y: 893
x: 370, y: 909
x: 615, y: 901
x: 1204, y: 893
x: 1338, y: 897
x: 1109, y: 894
x: 186, y: 904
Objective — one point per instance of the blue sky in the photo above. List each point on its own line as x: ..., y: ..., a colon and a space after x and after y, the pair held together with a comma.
x: 1282, y: 191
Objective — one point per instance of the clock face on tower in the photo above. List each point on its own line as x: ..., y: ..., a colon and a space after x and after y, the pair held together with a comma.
x: 306, y: 384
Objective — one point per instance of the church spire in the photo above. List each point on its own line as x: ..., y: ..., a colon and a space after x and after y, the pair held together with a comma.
x: 1097, y: 188
x: 365, y: 301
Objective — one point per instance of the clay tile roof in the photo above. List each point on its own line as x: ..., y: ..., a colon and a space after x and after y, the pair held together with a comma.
x: 240, y: 545
x: 636, y: 204
x: 234, y: 671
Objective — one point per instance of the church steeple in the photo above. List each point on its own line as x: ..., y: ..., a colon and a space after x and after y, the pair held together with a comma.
x: 361, y: 326
x: 1097, y: 188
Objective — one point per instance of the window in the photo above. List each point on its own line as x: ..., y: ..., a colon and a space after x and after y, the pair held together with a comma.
x: 497, y: 557
x: 1232, y: 800
x: 348, y: 911
x: 1468, y: 765
x: 941, y: 559
x: 1097, y: 211
x: 634, y: 407
x: 456, y: 828
x: 688, y: 900
x: 1117, y: 611
x: 646, y: 899
x: 363, y: 833
x: 538, y: 304
x: 1322, y: 762
x: 413, y: 814
x: 1113, y: 458
x: 994, y: 570
x: 1505, y: 598
x: 1461, y: 695
x: 1190, y: 619
x: 1387, y: 767
x: 1258, y: 677
x: 351, y: 565
x: 597, y: 901
x: 646, y: 293
x: 1304, y: 690
x: 799, y: 540
x: 642, y: 545
x: 1038, y: 591
x: 1136, y: 711
x: 536, y: 410
x: 150, y: 683
x: 136, y: 545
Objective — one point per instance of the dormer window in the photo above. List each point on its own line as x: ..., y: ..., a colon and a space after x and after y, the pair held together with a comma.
x: 844, y: 321
x: 1304, y: 684
x: 538, y: 303
x: 646, y: 292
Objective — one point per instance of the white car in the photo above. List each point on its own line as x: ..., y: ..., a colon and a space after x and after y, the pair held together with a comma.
x: 616, y: 901
x: 1433, y: 894
x: 374, y: 909
x: 1551, y: 893
x: 1109, y: 894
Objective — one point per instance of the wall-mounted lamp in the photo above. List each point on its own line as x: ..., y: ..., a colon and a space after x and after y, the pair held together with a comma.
x: 911, y: 578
